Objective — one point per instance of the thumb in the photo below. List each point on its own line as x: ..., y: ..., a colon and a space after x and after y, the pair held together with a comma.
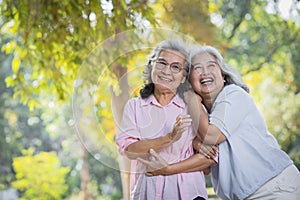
x: 157, y: 156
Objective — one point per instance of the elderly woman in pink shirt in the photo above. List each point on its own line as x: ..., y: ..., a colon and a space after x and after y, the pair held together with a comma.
x: 158, y: 120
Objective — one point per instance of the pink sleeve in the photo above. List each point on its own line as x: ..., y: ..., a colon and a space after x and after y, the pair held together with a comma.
x: 124, y: 142
x: 128, y: 132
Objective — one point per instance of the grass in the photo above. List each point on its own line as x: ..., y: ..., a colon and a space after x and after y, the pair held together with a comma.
x: 211, y: 194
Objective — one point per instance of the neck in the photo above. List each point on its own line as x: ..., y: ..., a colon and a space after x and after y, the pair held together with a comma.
x: 164, y: 97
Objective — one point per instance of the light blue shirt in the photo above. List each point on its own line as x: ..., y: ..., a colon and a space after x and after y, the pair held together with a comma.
x: 250, y: 156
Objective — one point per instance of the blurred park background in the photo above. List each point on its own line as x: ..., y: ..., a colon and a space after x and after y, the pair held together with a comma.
x: 57, y: 124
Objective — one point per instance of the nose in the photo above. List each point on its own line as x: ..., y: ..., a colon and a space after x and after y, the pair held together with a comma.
x: 204, y: 70
x: 167, y: 70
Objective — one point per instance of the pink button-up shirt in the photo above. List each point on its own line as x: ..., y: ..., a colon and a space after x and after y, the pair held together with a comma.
x: 146, y: 119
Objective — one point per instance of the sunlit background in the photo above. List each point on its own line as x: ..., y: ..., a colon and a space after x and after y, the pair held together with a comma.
x: 68, y: 67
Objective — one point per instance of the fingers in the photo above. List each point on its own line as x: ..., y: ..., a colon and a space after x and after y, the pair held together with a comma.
x: 215, y: 149
x: 208, y: 150
x: 154, y: 166
x: 145, y: 162
x: 183, y: 119
x: 154, y: 154
x: 183, y: 122
x: 158, y: 157
x: 204, y: 152
x: 149, y: 174
x: 150, y: 166
x: 196, y: 144
x: 153, y: 173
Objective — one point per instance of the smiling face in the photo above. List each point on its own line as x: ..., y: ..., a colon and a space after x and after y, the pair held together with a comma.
x: 163, y: 77
x: 206, y: 77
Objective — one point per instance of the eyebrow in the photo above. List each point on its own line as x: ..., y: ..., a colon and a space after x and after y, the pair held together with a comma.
x: 162, y: 59
x: 215, y: 62
x: 209, y: 62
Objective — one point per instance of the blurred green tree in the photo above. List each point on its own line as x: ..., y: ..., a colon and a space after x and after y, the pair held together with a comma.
x: 40, y: 176
x: 50, y: 40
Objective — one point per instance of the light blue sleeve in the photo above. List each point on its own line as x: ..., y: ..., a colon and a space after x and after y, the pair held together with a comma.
x: 230, y: 109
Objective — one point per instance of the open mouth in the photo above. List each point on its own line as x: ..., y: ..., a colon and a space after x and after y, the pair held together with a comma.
x: 165, y: 79
x: 206, y: 81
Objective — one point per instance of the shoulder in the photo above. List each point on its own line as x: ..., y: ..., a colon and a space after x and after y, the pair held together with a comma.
x: 134, y: 100
x: 233, y: 94
x: 139, y: 101
x: 233, y: 91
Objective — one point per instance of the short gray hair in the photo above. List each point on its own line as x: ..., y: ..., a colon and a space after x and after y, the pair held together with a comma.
x: 171, y: 44
x: 231, y: 76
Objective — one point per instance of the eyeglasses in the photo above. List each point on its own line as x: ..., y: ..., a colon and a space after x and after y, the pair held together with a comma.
x: 174, y: 67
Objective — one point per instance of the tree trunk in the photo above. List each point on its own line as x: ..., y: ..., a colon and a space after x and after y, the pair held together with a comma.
x: 118, y: 103
x: 85, y: 175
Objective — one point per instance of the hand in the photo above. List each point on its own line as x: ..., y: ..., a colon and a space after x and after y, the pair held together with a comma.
x: 209, y: 151
x: 155, y: 167
x: 190, y: 96
x: 181, y: 125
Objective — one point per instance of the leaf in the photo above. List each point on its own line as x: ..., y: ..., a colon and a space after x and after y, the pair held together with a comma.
x: 32, y: 104
x: 16, y: 62
x: 9, y: 81
x: 9, y: 47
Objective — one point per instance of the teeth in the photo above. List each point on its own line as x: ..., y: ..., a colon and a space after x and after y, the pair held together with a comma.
x: 207, y: 80
x: 165, y: 79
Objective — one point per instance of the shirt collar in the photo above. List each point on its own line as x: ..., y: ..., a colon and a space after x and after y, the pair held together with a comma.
x: 177, y: 100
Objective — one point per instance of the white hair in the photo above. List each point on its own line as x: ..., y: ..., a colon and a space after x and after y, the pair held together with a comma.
x: 231, y: 76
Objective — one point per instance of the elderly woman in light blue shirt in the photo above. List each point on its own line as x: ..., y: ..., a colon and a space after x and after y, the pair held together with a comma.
x: 251, y: 164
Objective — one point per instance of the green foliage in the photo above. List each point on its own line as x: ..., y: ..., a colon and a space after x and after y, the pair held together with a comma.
x: 253, y: 37
x: 189, y: 17
x: 19, y: 128
x: 50, y: 40
x: 47, y: 45
x: 279, y: 105
x: 40, y: 176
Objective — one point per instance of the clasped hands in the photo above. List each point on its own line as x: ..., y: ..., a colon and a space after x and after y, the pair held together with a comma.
x: 157, y: 165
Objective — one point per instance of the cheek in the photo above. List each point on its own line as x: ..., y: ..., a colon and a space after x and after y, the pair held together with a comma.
x: 193, y: 78
x: 220, y: 78
x: 153, y: 75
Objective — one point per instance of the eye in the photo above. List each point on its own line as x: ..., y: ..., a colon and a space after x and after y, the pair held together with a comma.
x: 211, y: 65
x: 176, y: 67
x: 161, y: 62
x: 197, y: 67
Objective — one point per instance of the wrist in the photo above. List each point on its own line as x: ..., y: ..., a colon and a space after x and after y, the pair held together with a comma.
x: 168, y: 138
x: 167, y: 170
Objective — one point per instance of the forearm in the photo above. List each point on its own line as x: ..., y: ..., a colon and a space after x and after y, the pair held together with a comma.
x: 141, y: 148
x: 198, y: 115
x: 197, y: 162
x: 207, y: 133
